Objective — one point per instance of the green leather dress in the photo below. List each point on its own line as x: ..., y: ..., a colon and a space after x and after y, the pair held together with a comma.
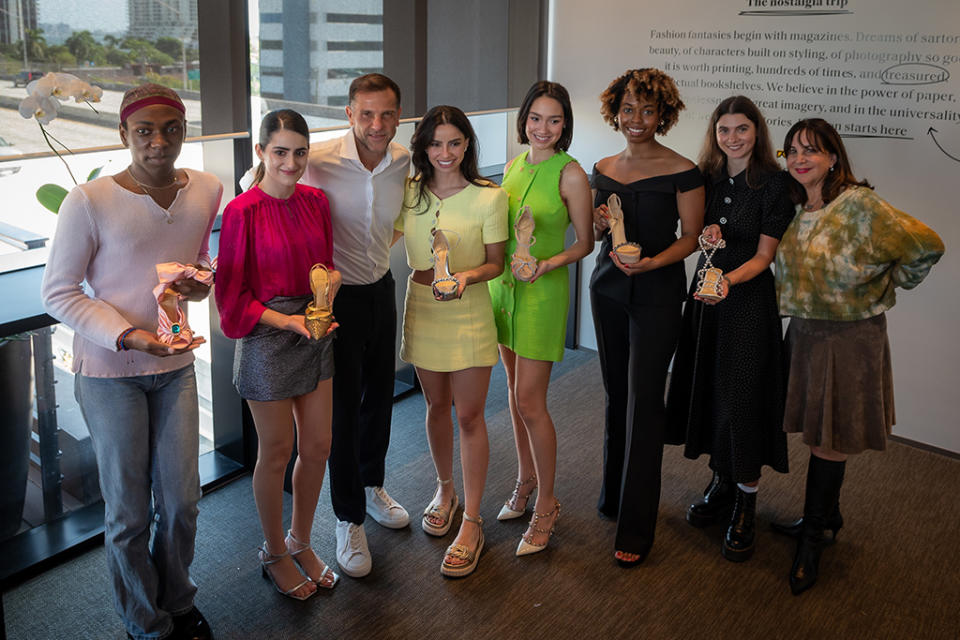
x: 532, y: 317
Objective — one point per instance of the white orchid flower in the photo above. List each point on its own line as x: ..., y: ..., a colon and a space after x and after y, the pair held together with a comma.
x: 43, y: 108
x: 87, y: 92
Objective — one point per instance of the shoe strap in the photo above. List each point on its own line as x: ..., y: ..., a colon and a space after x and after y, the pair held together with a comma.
x: 299, y: 545
x: 478, y: 520
x: 274, y: 558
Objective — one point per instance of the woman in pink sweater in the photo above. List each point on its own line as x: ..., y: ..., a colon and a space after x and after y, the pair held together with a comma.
x: 137, y: 393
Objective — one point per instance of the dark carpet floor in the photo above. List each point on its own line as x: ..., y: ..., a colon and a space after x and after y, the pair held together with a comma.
x: 892, y: 574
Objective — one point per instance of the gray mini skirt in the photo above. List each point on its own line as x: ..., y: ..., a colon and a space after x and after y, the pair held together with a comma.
x: 274, y: 364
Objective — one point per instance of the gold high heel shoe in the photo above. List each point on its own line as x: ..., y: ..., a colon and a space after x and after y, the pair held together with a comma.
x: 526, y: 547
x: 509, y: 513
x: 445, y: 286
x: 627, y: 252
x: 318, y: 315
x: 522, y: 264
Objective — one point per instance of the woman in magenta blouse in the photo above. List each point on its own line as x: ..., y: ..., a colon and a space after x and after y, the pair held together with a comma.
x: 270, y: 238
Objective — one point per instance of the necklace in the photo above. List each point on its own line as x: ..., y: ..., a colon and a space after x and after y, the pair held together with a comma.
x: 812, y: 207
x: 144, y: 187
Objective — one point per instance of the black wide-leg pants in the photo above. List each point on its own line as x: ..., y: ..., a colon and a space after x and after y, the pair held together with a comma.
x: 635, y: 344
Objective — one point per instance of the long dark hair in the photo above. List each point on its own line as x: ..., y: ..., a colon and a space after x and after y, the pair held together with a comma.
x: 559, y: 93
x: 423, y: 136
x: 823, y: 137
x: 762, y: 163
x: 274, y: 121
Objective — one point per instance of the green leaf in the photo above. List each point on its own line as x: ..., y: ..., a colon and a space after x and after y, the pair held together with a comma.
x: 94, y: 174
x: 51, y: 196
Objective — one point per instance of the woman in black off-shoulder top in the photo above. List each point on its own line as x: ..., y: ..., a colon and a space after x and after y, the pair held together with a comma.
x: 636, y: 307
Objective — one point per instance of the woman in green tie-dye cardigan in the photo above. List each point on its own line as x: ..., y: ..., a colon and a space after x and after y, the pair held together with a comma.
x: 838, y: 266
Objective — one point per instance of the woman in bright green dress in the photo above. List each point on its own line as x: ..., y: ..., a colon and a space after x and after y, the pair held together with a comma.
x: 531, y: 310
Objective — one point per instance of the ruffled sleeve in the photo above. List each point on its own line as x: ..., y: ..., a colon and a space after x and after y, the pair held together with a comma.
x: 239, y: 309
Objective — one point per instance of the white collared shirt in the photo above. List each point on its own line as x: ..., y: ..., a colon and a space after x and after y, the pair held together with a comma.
x: 363, y: 204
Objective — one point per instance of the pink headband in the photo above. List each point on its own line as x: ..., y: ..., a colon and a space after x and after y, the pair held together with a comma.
x: 149, y: 100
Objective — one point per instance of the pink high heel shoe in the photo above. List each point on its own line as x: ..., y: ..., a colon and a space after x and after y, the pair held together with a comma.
x: 172, y: 328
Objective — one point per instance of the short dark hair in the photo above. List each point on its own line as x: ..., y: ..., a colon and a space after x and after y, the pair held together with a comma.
x: 373, y: 82
x: 559, y: 93
x: 273, y: 122
x: 823, y: 137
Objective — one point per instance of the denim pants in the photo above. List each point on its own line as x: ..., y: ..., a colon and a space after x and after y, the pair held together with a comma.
x: 145, y: 435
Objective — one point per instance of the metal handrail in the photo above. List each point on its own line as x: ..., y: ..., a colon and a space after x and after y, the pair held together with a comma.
x: 237, y: 135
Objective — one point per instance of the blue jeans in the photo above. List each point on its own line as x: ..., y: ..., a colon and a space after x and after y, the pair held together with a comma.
x: 145, y: 435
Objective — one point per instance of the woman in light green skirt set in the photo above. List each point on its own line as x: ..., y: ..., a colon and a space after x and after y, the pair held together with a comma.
x: 452, y: 342
x: 531, y: 316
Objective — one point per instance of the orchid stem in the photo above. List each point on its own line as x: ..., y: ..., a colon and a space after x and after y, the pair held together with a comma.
x: 92, y: 107
x: 47, y: 137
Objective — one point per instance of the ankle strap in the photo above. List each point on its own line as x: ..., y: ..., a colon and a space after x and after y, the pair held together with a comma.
x: 296, y: 541
x: 444, y: 482
x: 469, y: 518
x: 268, y: 558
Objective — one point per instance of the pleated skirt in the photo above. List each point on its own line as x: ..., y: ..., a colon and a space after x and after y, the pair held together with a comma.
x: 451, y: 335
x: 840, y: 385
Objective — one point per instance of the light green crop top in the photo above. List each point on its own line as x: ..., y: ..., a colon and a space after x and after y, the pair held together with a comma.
x: 471, y: 218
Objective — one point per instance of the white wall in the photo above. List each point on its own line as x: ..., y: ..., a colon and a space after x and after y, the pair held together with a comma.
x: 591, y: 43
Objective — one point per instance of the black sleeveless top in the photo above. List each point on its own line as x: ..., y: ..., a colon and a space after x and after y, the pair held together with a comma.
x: 650, y: 219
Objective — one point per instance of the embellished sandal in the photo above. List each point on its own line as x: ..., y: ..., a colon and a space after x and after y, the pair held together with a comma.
x: 318, y: 316
x: 441, y: 512
x: 445, y: 286
x: 469, y: 556
x: 172, y: 326
x: 627, y: 252
x: 526, y: 546
x: 507, y: 512
x: 522, y: 264
x: 328, y: 579
x: 267, y: 559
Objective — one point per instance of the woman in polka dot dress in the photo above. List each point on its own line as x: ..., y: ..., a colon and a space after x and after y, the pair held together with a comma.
x: 727, y: 386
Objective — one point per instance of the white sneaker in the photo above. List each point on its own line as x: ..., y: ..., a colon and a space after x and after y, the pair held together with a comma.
x: 384, y: 509
x: 353, y: 555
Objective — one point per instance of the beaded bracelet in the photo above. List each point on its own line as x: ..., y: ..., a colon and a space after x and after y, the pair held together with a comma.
x: 120, y: 345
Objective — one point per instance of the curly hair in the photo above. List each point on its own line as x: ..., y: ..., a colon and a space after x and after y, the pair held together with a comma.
x: 643, y: 82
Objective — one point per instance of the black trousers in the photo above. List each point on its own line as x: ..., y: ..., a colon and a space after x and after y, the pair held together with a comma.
x: 364, y: 354
x: 635, y: 345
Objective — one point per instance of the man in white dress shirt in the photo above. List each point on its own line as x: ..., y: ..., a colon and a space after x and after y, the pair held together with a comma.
x: 363, y: 175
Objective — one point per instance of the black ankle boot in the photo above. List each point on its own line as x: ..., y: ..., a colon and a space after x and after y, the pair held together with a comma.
x: 824, y: 479
x: 795, y: 528
x: 717, y: 502
x: 738, y: 540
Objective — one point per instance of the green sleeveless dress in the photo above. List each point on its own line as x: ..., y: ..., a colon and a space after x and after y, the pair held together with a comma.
x: 532, y: 317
